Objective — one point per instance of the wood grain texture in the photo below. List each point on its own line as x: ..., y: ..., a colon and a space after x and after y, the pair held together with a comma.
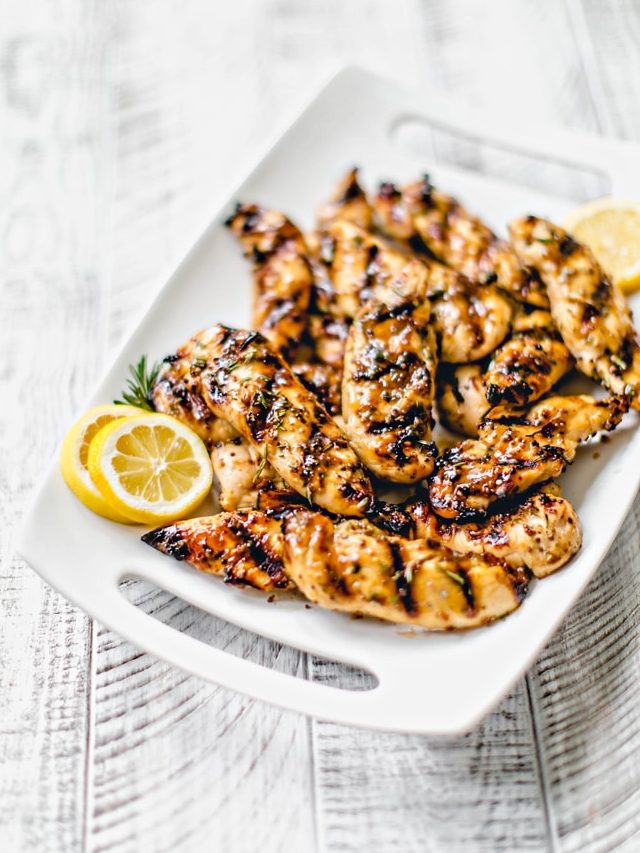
x: 52, y: 331
x: 585, y: 684
x: 124, y: 125
x: 220, y: 758
x: 585, y: 692
x: 387, y: 792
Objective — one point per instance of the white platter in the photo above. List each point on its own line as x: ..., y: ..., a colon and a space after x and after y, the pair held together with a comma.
x: 426, y: 684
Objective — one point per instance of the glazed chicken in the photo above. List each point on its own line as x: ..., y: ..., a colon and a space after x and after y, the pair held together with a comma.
x: 357, y: 266
x: 244, y: 481
x: 349, y: 202
x: 351, y: 566
x: 461, y: 397
x: 177, y: 392
x: 354, y: 567
x: 329, y: 337
x: 470, y: 320
x: 591, y: 314
x: 527, y: 366
x: 281, y: 273
x: 425, y: 218
x: 388, y: 389
x: 522, y: 369
x: 324, y: 381
x: 248, y: 384
x: 516, y: 449
x: 241, y: 474
x: 386, y: 305
x: 541, y: 533
x: 245, y: 548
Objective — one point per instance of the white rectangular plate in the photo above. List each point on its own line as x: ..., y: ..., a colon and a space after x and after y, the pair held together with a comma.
x: 429, y: 683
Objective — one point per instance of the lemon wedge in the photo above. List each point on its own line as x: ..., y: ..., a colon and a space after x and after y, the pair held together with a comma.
x: 151, y: 468
x: 610, y: 227
x: 74, y: 455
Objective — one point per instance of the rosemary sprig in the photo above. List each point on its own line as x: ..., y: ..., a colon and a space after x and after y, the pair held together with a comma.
x: 140, y: 384
x: 261, y: 465
x: 619, y: 362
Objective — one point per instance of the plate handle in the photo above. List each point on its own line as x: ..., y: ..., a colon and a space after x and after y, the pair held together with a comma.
x: 361, y: 707
x: 386, y: 103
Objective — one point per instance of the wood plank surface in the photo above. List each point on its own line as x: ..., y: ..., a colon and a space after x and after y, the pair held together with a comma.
x: 55, y: 135
x: 124, y: 124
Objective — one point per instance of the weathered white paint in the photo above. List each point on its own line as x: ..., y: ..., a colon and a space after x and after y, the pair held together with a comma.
x: 123, y: 124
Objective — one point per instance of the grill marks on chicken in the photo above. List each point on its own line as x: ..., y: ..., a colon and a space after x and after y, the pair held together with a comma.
x: 522, y: 369
x: 324, y: 381
x: 428, y: 220
x: 471, y: 320
x: 592, y: 314
x: 541, y: 534
x: 248, y: 384
x: 357, y: 265
x: 388, y: 389
x: 178, y: 392
x: 241, y: 474
x: 349, y: 202
x: 527, y: 366
x: 516, y: 450
x: 461, y: 397
x: 353, y: 567
x: 361, y: 321
x: 281, y: 272
x: 245, y: 548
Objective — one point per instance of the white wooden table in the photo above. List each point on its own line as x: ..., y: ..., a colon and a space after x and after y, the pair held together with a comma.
x: 122, y: 125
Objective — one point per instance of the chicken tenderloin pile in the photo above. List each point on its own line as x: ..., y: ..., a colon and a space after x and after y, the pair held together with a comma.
x: 396, y: 311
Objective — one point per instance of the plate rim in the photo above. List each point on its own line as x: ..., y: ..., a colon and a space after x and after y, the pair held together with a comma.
x: 464, y: 722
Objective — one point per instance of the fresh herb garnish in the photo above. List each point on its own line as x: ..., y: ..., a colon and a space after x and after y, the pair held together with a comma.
x: 619, y: 363
x: 455, y: 577
x: 261, y: 466
x: 140, y: 385
x: 280, y: 413
x: 262, y: 397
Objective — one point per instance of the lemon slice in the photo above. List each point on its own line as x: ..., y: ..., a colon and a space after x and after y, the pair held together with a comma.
x: 151, y: 468
x: 610, y: 227
x: 74, y: 454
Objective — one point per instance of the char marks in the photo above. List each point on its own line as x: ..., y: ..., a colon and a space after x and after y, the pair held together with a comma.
x: 591, y: 313
x: 419, y: 214
x: 352, y: 566
x: 254, y: 389
x: 387, y: 304
x: 244, y: 548
x: 388, y: 388
x: 281, y: 272
x: 517, y: 449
